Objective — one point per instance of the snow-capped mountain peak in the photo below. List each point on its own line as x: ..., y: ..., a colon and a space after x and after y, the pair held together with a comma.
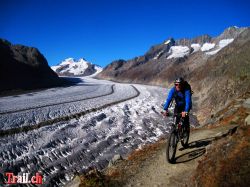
x: 167, y: 42
x: 72, y: 67
x: 67, y: 61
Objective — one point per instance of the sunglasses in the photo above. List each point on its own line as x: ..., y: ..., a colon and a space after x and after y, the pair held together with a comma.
x: 177, y: 84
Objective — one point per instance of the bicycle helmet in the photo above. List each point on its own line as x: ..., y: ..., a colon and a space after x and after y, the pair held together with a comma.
x: 179, y: 80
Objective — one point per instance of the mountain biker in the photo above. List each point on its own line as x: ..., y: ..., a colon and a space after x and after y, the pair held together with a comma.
x: 182, y: 95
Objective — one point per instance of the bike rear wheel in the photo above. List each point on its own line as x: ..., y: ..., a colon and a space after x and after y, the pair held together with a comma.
x: 171, y: 147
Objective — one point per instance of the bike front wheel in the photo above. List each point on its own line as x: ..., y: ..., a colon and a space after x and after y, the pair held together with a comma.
x: 171, y: 147
x: 185, y: 136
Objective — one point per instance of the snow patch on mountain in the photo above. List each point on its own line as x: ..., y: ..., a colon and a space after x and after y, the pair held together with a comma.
x: 222, y: 44
x: 158, y: 54
x: 167, y: 42
x: 207, y: 46
x: 196, y: 47
x: 178, y: 51
x: 54, y: 68
x: 98, y: 70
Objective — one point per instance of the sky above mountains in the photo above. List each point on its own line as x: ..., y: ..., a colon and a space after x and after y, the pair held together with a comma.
x: 105, y: 30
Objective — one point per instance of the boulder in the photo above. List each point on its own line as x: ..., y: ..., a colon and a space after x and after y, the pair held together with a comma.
x: 115, y: 160
x: 247, y: 120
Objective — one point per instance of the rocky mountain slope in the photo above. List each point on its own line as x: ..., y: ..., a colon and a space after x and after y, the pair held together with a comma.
x: 217, y: 68
x: 72, y: 67
x: 224, y: 76
x: 23, y: 67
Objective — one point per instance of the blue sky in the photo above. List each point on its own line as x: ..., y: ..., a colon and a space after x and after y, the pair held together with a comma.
x: 105, y: 30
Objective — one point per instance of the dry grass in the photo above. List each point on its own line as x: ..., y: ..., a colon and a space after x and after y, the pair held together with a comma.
x: 142, y: 154
x: 95, y: 178
x: 92, y: 178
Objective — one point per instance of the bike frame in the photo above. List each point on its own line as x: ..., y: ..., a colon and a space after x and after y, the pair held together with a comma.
x: 178, y: 125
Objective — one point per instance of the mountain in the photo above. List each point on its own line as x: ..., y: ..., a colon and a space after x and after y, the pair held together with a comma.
x: 23, y: 67
x: 72, y: 67
x: 218, y: 68
x: 151, y: 67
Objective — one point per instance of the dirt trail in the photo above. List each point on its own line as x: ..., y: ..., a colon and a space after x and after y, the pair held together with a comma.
x: 156, y: 171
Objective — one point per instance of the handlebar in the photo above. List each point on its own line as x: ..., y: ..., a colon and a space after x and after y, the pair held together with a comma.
x: 163, y: 113
x: 175, y: 114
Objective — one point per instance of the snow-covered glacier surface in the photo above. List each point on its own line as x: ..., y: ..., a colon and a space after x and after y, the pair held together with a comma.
x: 97, y: 98
x: 61, y: 149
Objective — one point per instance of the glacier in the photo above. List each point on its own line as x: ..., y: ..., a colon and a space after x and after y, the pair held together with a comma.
x: 66, y: 147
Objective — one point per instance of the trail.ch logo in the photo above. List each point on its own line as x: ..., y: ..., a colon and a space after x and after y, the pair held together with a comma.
x: 11, y: 178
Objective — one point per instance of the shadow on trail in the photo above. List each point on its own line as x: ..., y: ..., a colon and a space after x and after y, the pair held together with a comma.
x: 199, y: 147
x: 190, y: 155
x: 199, y: 143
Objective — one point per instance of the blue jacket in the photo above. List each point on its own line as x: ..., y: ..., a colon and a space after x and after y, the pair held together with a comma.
x: 182, y: 99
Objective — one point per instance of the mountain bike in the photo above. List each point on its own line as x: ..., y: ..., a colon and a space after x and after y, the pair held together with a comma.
x: 180, y: 132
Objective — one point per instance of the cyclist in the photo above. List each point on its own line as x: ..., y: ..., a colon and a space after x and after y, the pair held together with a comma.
x: 181, y: 92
